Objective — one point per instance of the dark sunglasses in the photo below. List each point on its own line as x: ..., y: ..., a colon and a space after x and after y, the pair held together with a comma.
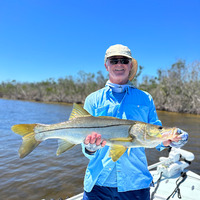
x: 114, y: 61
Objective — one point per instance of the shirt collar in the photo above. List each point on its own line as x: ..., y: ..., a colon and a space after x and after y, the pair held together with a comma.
x: 119, y: 88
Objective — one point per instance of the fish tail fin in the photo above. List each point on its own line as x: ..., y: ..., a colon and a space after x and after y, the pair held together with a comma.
x: 29, y: 142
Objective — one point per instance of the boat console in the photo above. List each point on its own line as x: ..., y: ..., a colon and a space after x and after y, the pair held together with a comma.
x: 177, y: 161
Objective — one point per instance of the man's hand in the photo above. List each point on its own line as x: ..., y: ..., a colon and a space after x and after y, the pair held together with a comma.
x: 178, y: 139
x: 94, y: 142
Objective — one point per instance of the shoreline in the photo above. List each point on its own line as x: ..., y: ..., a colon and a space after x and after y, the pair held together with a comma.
x: 71, y: 104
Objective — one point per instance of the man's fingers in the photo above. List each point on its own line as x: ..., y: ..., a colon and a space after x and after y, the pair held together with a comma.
x: 87, y: 139
x: 103, y: 143
x: 177, y: 138
x: 167, y: 142
x: 98, y: 140
x: 95, y: 138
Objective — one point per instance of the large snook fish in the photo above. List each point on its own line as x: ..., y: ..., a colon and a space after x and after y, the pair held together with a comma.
x: 120, y: 134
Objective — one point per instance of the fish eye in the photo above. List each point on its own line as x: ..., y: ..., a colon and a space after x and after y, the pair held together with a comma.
x: 160, y: 127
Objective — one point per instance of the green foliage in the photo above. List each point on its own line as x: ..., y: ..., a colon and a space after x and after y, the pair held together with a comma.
x: 175, y: 89
x: 69, y: 89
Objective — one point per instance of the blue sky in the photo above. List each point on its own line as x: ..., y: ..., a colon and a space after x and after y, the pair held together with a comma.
x: 41, y: 39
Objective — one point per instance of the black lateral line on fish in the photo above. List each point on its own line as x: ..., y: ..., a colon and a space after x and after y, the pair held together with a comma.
x: 84, y: 127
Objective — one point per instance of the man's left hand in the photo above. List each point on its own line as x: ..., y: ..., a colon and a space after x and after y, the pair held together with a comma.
x: 178, y: 140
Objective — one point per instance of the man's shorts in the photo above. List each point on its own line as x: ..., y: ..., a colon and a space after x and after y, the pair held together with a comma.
x: 109, y: 193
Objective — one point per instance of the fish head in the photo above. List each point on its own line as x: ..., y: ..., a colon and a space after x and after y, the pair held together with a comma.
x: 149, y: 135
x: 160, y: 132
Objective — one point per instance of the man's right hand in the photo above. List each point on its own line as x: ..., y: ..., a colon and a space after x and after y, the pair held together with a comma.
x: 93, y: 142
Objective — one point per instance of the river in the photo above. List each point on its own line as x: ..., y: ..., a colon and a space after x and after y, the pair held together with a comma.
x: 42, y: 174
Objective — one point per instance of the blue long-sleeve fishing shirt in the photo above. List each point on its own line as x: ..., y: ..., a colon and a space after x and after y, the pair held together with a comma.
x: 129, y: 172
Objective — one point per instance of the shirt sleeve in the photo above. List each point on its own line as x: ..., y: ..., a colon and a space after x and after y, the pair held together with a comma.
x: 89, y: 156
x: 89, y: 107
x: 161, y: 147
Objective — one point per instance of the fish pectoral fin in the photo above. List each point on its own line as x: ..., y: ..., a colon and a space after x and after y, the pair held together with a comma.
x: 78, y: 111
x: 29, y: 142
x: 63, y: 145
x: 116, y: 152
x: 122, y: 139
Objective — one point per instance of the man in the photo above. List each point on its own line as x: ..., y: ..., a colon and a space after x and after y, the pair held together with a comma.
x: 127, y: 178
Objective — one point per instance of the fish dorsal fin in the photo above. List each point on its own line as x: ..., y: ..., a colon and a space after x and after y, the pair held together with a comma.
x: 116, y: 152
x: 78, y: 111
x: 63, y: 146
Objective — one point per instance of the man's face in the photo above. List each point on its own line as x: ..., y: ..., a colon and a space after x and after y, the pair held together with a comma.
x: 119, y: 68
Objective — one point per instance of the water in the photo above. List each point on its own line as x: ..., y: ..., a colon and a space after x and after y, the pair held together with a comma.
x: 43, y: 175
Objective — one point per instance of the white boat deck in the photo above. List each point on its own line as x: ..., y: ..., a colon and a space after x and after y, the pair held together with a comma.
x: 189, y: 188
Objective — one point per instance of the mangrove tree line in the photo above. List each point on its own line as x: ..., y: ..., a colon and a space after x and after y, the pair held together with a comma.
x: 175, y: 89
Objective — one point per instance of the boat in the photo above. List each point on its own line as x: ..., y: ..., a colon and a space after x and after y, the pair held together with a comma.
x: 171, y: 179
